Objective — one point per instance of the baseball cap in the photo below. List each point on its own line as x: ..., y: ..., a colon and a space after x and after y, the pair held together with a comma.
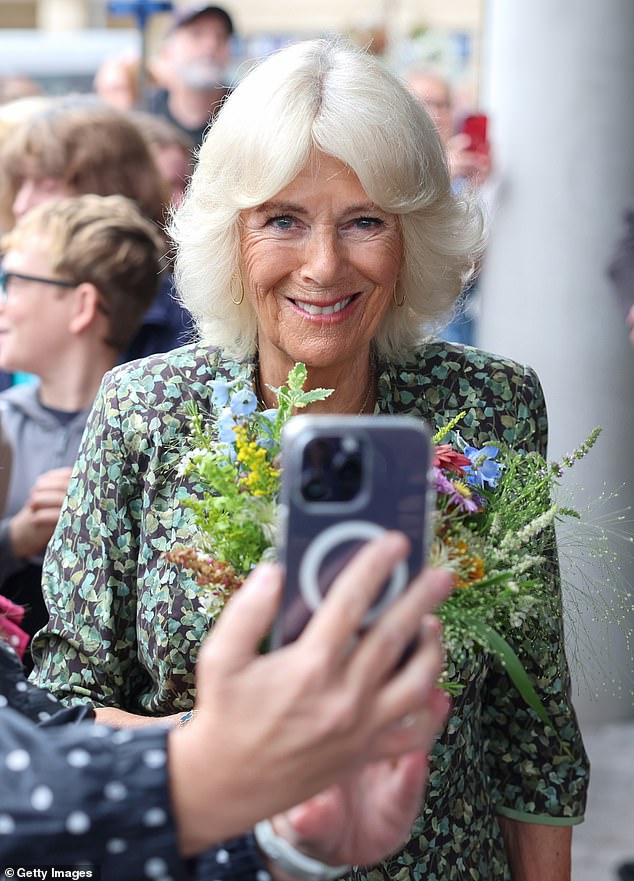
x: 187, y: 14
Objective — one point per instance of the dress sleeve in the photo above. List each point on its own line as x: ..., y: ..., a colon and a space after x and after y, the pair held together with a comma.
x: 87, y: 649
x: 537, y: 775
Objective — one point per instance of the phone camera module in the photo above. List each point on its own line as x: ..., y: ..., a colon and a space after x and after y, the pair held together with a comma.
x: 332, y: 470
x: 347, y: 468
x: 313, y: 488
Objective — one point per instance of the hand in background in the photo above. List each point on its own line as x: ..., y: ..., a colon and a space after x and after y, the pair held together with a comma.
x: 630, y: 323
x: 32, y: 527
x: 369, y: 816
x: 472, y: 165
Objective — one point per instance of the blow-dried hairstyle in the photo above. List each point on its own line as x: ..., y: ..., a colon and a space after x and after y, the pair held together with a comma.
x: 323, y: 96
x: 91, y: 147
x: 104, y: 240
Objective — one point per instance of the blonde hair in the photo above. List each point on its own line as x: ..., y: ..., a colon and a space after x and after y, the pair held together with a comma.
x: 323, y: 96
x: 104, y: 240
x: 91, y: 147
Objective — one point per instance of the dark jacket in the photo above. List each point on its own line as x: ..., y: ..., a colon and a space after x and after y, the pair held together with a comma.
x: 83, y: 794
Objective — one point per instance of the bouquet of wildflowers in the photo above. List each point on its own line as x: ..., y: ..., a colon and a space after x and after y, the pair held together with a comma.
x: 492, y: 527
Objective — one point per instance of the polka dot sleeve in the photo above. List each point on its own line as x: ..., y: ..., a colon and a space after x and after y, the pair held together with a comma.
x: 85, y: 793
x: 73, y: 793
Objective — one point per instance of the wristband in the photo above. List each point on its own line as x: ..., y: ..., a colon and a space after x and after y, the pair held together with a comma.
x: 283, y: 855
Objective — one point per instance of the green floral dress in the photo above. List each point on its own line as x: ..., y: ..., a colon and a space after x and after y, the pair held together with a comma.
x: 125, y: 625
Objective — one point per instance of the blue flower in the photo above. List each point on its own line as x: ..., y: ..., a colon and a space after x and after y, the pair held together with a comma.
x: 220, y: 393
x: 224, y: 426
x: 483, y: 469
x: 243, y: 402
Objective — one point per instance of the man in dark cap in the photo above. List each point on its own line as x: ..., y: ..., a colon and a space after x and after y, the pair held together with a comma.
x: 193, y: 60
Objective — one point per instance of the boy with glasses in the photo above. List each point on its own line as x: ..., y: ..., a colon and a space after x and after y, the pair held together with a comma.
x: 77, y: 276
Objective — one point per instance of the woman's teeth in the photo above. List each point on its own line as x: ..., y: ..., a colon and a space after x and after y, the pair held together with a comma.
x: 322, y: 310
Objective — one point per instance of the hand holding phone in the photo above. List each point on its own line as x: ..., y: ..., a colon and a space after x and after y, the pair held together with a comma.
x: 345, y: 481
x: 475, y: 127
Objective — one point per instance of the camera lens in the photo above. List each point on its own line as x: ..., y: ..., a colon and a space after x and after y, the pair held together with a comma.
x: 347, y: 467
x: 314, y: 489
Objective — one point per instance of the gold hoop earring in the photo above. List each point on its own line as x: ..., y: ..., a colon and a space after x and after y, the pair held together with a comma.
x: 396, y: 302
x: 233, y: 299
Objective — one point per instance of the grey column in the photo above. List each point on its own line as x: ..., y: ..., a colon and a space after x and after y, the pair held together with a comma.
x: 559, y: 83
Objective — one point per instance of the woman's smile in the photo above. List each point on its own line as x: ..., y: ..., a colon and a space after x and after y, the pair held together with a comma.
x: 319, y: 262
x: 332, y: 311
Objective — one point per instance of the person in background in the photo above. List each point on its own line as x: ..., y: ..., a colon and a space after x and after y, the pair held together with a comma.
x: 621, y: 273
x: 467, y: 168
x: 12, y: 88
x: 146, y: 803
x: 192, y: 63
x: 172, y: 151
x: 12, y: 114
x: 117, y: 81
x: 77, y: 276
x: 81, y: 145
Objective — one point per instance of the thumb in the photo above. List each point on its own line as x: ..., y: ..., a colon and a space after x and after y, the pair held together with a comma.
x: 315, y: 825
x: 245, y: 621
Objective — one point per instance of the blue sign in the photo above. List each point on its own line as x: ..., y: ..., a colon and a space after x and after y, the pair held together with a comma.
x: 140, y: 9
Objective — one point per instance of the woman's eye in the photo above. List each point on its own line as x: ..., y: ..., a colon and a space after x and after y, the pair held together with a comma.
x: 368, y: 222
x: 281, y: 222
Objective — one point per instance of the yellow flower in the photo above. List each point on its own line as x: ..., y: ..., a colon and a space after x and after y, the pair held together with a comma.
x: 258, y: 475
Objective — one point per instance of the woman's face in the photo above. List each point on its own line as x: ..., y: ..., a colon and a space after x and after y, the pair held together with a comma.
x: 320, y: 262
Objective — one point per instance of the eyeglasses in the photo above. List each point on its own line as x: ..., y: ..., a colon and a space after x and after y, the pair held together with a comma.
x: 7, y: 277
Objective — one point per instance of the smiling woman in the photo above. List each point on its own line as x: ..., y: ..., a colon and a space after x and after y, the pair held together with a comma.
x: 319, y: 226
x: 320, y: 264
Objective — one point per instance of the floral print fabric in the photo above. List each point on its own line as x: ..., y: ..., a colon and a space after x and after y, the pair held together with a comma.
x: 125, y: 625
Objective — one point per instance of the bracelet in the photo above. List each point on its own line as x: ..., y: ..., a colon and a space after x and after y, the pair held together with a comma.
x: 185, y: 718
x: 290, y: 860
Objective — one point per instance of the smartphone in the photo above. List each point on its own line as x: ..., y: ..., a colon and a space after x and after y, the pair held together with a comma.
x: 345, y: 481
x: 475, y: 125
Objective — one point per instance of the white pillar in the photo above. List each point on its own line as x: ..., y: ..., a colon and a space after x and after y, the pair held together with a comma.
x: 559, y: 79
x: 62, y: 15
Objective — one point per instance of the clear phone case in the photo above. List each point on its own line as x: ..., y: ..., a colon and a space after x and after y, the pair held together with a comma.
x: 345, y: 480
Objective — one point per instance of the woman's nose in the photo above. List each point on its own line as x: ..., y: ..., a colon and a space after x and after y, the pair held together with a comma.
x: 323, y: 257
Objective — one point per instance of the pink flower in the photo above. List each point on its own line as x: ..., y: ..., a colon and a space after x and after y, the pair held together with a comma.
x: 448, y: 459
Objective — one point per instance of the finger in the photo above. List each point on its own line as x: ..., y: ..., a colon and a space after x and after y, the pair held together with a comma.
x: 64, y: 472
x: 45, y: 517
x: 246, y: 620
x: 352, y: 593
x: 46, y: 499
x: 383, y: 646
x: 415, y: 731
x: 53, y: 485
x: 397, y: 787
x: 315, y: 822
x: 408, y: 690
x: 58, y: 477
